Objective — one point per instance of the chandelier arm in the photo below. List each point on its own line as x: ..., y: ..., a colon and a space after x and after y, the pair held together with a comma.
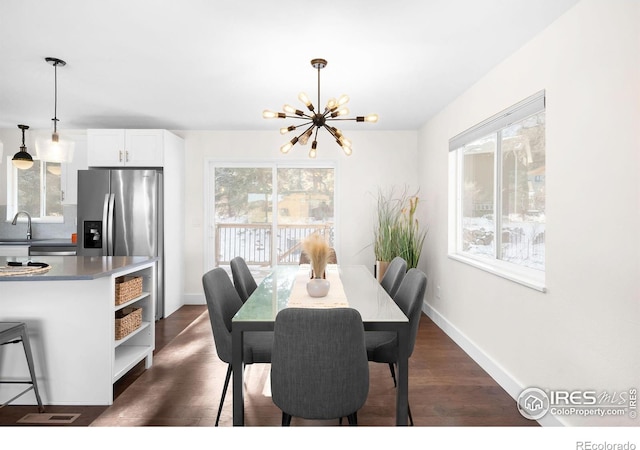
x: 331, y: 132
x: 303, y: 124
x: 305, y: 131
x: 343, y: 118
x: 304, y: 116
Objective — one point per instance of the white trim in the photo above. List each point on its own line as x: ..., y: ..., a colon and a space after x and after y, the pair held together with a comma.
x: 194, y: 299
x: 515, y: 113
x: 531, y: 278
x: 500, y: 375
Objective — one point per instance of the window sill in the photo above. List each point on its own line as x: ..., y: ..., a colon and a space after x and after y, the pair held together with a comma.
x: 530, y: 278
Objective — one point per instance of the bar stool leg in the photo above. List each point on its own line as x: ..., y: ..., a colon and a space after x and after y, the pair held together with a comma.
x: 27, y: 351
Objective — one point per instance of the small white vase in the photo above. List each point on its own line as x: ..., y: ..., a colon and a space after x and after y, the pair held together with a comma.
x: 318, y: 287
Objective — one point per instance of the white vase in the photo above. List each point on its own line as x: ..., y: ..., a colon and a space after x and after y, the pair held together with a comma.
x: 318, y: 287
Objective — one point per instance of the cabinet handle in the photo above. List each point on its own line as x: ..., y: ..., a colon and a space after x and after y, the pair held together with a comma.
x: 126, y: 156
x: 62, y: 195
x: 120, y: 156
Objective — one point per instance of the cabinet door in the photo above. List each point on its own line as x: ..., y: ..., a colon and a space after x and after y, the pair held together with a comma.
x: 144, y: 148
x: 14, y: 250
x: 106, y: 148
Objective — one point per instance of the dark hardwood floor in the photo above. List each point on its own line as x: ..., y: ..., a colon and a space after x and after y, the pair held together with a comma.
x: 183, y: 388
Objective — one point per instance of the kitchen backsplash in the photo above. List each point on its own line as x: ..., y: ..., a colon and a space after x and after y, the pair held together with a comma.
x: 39, y: 230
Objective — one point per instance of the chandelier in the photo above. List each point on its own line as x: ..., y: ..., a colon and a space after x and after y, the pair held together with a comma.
x: 314, y: 120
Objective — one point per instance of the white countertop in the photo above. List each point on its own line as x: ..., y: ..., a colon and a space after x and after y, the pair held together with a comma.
x: 76, y: 267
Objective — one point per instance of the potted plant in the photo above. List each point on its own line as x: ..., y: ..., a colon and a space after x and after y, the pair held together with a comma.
x: 397, y: 231
x: 318, y: 251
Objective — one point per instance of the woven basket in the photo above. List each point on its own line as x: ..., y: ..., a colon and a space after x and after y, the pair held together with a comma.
x: 128, y: 288
x: 127, y: 321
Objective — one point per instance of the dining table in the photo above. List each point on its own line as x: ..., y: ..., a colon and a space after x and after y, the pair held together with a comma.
x: 352, y: 286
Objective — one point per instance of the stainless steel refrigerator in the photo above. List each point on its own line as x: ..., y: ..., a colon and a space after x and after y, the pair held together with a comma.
x: 120, y: 214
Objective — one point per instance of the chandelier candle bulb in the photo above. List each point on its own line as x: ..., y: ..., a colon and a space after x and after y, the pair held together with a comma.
x: 340, y: 112
x: 305, y: 99
x: 291, y: 110
x: 273, y: 115
x: 285, y: 130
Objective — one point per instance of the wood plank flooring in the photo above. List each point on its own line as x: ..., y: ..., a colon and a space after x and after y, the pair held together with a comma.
x: 183, y: 387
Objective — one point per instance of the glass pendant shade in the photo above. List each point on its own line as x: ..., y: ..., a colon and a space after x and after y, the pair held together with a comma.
x: 55, y: 148
x: 22, y: 160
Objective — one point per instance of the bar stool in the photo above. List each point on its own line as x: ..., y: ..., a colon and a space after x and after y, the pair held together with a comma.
x: 13, y: 333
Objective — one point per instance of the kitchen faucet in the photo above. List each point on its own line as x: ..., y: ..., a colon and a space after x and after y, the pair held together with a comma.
x: 15, y: 218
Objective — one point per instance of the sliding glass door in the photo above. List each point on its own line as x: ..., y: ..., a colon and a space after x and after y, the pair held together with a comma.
x: 263, y: 213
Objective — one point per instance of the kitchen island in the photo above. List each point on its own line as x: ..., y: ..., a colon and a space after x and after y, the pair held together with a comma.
x: 70, y: 312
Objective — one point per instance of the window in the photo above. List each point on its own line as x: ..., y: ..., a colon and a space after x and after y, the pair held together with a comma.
x: 498, y: 176
x: 36, y: 190
x: 263, y: 213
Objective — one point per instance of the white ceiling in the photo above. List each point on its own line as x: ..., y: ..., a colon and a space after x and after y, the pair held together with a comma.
x: 216, y: 64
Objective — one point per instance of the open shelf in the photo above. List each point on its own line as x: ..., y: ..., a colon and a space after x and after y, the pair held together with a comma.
x: 132, y: 301
x: 142, y: 327
x: 128, y: 356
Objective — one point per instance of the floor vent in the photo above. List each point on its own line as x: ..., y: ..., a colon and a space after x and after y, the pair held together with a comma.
x: 53, y: 418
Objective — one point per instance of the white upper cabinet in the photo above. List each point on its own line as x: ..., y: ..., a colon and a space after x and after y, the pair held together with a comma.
x: 119, y: 148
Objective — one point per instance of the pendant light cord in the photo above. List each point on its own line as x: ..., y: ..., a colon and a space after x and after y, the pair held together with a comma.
x: 55, y: 98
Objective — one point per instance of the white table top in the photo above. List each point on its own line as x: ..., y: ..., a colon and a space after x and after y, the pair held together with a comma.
x: 363, y: 292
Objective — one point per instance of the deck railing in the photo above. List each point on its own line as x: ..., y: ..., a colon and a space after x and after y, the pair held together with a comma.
x: 253, y: 242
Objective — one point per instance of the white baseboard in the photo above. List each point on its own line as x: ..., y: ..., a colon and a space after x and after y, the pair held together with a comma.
x: 495, y: 371
x: 194, y: 299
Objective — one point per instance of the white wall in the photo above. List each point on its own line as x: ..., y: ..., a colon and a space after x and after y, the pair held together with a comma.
x: 583, y: 334
x: 378, y: 159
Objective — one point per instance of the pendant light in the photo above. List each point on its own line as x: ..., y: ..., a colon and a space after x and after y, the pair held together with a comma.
x: 22, y: 160
x: 55, y: 148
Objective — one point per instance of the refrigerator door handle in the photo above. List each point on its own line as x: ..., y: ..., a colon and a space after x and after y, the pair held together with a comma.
x: 109, y: 247
x: 105, y: 224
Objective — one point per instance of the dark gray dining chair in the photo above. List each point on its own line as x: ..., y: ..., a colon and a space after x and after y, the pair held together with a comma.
x: 243, y: 281
x: 394, y: 275
x: 223, y: 302
x: 319, y: 367
x: 390, y: 282
x: 382, y: 346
